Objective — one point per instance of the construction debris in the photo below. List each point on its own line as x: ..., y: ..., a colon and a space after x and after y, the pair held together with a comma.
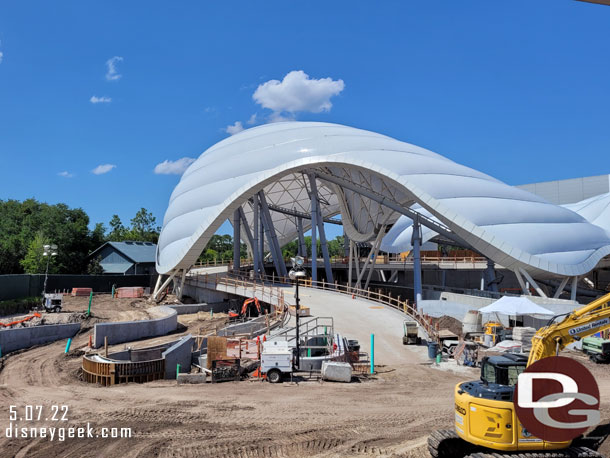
x: 336, y: 371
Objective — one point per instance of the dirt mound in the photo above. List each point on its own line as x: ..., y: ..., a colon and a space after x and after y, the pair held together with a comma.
x: 448, y: 322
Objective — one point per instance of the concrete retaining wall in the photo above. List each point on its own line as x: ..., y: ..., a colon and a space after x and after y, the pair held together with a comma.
x: 20, y: 338
x: 179, y: 353
x: 127, y: 331
x: 184, y: 309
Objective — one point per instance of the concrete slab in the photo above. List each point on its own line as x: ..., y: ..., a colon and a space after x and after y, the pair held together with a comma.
x: 336, y: 371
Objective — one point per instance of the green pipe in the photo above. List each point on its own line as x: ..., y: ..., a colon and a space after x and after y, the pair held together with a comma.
x: 113, y: 291
x: 177, y: 370
x: 90, y: 301
x: 0, y: 351
x: 68, y: 345
x: 211, y: 313
x: 309, y: 352
x: 372, y: 353
x: 438, y: 358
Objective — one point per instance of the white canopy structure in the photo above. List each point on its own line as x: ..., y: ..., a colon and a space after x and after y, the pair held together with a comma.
x: 291, y: 174
x: 515, y: 306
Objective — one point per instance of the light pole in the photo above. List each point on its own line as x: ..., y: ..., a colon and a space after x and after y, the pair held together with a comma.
x: 295, y: 273
x: 48, y: 251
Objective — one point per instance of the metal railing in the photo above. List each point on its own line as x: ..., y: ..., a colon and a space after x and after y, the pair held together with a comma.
x: 264, y: 284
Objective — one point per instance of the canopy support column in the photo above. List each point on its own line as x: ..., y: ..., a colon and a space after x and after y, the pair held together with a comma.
x: 322, y: 232
x: 416, y: 243
x: 274, y: 244
x: 349, y: 269
x: 538, y: 289
x: 375, y: 252
x: 255, y: 245
x: 302, y: 248
x: 164, y: 285
x: 236, y: 241
x: 181, y: 287
x: 524, y: 288
x: 574, y: 288
x: 314, y: 239
x: 561, y: 287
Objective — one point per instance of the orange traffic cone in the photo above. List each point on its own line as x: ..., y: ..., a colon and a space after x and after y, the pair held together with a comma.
x: 265, y: 338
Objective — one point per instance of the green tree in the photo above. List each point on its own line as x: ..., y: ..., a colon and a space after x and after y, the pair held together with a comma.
x: 35, y: 262
x: 143, y: 227
x: 117, y: 230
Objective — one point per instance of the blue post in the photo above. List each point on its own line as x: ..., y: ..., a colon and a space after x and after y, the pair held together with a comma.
x: 68, y: 345
x: 372, y: 353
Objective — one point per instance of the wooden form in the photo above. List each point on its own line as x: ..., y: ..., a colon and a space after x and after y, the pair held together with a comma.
x: 109, y: 373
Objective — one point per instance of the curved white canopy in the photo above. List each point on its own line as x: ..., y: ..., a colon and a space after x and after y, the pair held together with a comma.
x: 510, y: 226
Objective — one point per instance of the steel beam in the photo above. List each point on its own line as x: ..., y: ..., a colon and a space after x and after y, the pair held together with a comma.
x: 538, y: 289
x: 393, y: 205
x: 349, y: 270
x: 574, y: 289
x: 416, y: 243
x: 298, y: 214
x: 524, y: 288
x: 561, y: 287
x: 314, y: 239
x: 164, y: 285
x: 255, y: 236
x: 373, y: 260
x: 236, y: 240
x: 274, y: 244
x: 302, y: 248
x: 321, y: 231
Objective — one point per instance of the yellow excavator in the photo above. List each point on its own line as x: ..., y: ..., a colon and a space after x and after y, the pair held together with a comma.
x: 486, y: 424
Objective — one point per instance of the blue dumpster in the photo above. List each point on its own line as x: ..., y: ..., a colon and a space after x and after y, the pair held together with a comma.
x: 432, y: 350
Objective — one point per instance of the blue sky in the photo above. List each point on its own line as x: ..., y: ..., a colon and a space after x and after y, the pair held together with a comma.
x: 517, y: 89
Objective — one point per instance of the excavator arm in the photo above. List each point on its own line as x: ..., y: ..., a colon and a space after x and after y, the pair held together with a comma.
x: 583, y: 322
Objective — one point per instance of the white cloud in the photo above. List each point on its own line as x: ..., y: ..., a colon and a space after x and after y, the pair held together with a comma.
x: 94, y: 99
x: 111, y: 72
x: 252, y: 120
x: 103, y: 168
x: 297, y: 92
x: 177, y: 167
x: 1, y: 56
x: 234, y: 128
x: 65, y: 174
x: 279, y: 117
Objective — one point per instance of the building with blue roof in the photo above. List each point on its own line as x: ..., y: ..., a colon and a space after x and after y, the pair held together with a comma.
x: 127, y: 258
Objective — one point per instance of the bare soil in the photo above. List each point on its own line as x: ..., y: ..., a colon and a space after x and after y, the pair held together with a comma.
x: 390, y: 414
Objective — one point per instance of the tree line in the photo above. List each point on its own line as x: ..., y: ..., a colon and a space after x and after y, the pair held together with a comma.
x: 26, y: 226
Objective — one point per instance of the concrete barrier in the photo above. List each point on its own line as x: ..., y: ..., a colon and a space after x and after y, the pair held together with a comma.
x: 128, y: 331
x: 184, y: 309
x: 336, y: 371
x: 178, y: 353
x: 20, y: 338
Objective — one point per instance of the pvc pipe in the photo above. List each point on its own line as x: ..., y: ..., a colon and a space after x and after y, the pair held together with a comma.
x: 68, y: 345
x: 372, y: 353
x: 177, y: 370
x: 91, y: 300
x: 0, y: 351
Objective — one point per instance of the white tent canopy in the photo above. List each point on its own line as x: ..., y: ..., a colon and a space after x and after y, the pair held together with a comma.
x: 514, y: 306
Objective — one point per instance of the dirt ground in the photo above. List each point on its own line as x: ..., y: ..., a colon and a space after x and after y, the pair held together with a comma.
x: 390, y: 414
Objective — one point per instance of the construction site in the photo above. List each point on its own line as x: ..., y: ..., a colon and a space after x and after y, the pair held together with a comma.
x: 380, y: 352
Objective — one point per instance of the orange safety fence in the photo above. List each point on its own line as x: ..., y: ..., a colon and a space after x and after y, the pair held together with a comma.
x: 27, y: 318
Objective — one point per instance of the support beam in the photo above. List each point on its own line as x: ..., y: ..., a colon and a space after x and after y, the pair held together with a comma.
x: 538, y: 289
x: 561, y: 287
x: 255, y: 235
x: 253, y: 245
x: 524, y: 288
x: 164, y: 285
x: 314, y: 238
x: 375, y: 252
x: 302, y: 248
x: 357, y: 260
x: 321, y: 231
x: 382, y: 275
x: 298, y: 214
x: 236, y: 241
x: 349, y: 269
x: 272, y: 241
x: 181, y: 287
x: 385, y: 201
x: 416, y: 243
x: 393, y: 277
x: 574, y: 288
x: 261, y: 241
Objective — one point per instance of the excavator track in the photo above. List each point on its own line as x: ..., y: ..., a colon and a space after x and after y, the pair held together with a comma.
x: 572, y: 452
x: 447, y: 444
